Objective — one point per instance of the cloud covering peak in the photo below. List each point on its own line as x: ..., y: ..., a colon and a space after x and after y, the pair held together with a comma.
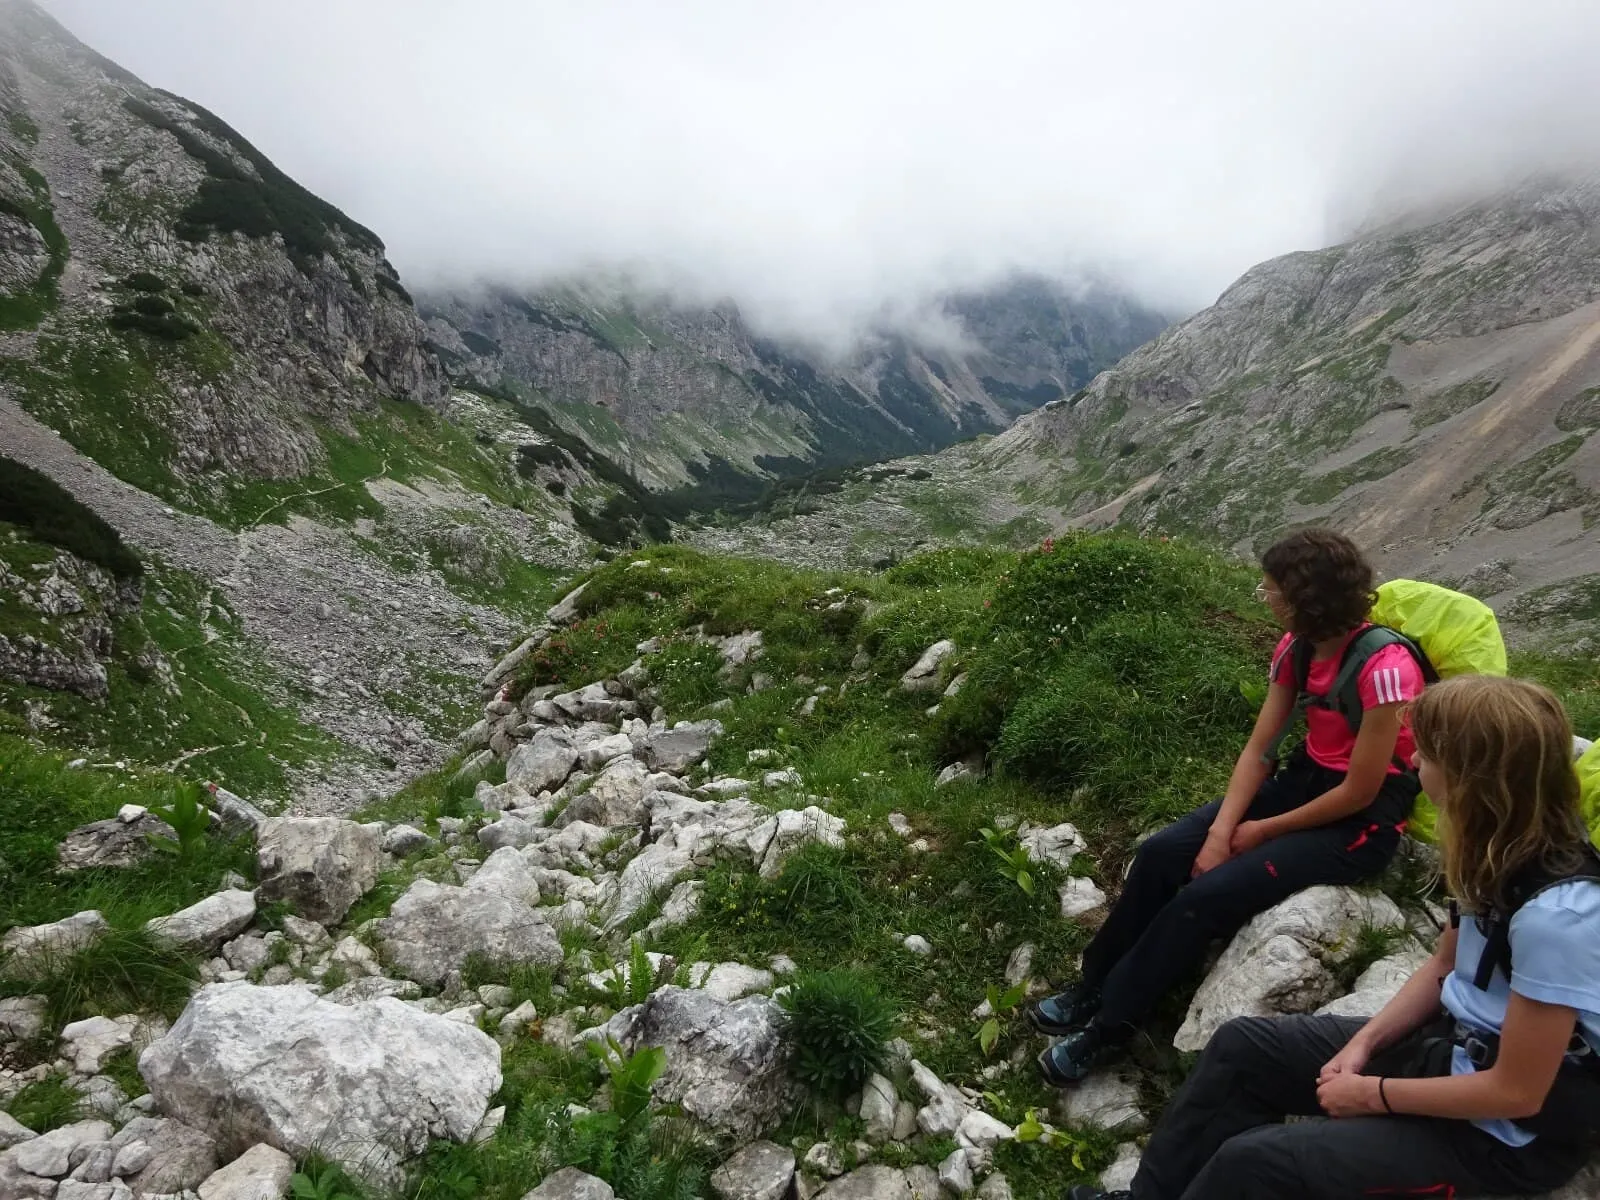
x: 822, y: 162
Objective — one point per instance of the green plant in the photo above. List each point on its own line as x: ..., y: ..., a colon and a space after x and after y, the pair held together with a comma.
x: 189, y: 819
x: 319, y: 1179
x: 838, y: 1025
x: 631, y: 1076
x: 1000, y: 1004
x: 1014, y: 862
x: 46, y: 1104
x: 120, y: 971
x: 39, y: 504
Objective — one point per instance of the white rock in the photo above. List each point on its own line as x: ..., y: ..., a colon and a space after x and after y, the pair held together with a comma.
x: 722, y: 788
x: 731, y: 981
x: 726, y: 1063
x: 678, y: 749
x: 823, y: 1159
x: 1104, y: 1101
x: 204, y: 926
x: 597, y: 753
x: 368, y: 1085
x: 90, y: 1042
x: 1119, y: 1175
x: 434, y: 929
x: 955, y: 1173
x: 760, y: 1171
x: 506, y: 873
x: 777, y: 838
x: 489, y: 1126
x: 13, y: 1132
x: 50, y: 1154
x: 1378, y: 985
x: 980, y: 1129
x: 569, y: 1183
x: 900, y: 824
x: 176, y: 1157
x: 129, y: 813
x: 873, y: 1182
x: 354, y: 957
x: 320, y: 865
x: 305, y: 933
x: 1020, y: 965
x: 21, y: 1018
x: 131, y: 1159
x: 401, y: 840
x: 1278, y: 962
x: 954, y: 773
x: 28, y: 949
x: 544, y: 763
x: 566, y: 609
x: 260, y: 1173
x: 878, y: 1102
x: 1080, y: 896
x: 994, y: 1188
x: 1056, y: 845
x: 518, y: 1019
x: 617, y: 797
x: 917, y: 944
x: 924, y: 674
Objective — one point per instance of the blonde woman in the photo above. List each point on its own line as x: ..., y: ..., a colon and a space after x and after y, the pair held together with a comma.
x: 1481, y: 1076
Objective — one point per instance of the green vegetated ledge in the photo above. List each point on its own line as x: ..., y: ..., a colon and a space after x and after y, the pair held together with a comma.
x: 234, y: 200
x: 1106, y: 677
x: 25, y: 309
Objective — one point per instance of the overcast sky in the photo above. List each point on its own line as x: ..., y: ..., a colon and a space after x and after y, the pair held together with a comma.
x: 821, y: 160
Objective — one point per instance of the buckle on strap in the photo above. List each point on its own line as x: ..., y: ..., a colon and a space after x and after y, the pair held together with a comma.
x: 1483, y: 1049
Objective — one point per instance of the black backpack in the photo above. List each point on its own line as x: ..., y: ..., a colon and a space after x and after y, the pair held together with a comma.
x: 1531, y: 881
x: 1344, y: 697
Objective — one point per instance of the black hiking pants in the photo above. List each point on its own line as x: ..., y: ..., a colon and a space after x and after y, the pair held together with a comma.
x: 1222, y: 1136
x: 1164, y: 921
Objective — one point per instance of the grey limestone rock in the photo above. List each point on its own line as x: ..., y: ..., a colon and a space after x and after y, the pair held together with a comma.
x: 320, y: 865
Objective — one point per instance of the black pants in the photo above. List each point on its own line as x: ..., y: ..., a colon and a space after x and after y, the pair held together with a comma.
x: 1222, y: 1138
x: 1164, y: 921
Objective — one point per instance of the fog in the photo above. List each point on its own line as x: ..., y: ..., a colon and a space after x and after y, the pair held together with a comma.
x: 825, y: 162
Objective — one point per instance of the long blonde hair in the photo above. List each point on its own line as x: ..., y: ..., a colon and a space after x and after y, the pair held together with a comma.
x: 1504, y: 747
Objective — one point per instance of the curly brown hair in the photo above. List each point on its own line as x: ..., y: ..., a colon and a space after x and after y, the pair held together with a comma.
x: 1326, y: 581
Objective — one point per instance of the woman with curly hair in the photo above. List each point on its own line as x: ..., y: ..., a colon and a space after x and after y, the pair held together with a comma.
x: 1333, y: 813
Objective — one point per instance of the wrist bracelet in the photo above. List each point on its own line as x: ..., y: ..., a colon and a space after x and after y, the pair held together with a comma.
x: 1382, y: 1079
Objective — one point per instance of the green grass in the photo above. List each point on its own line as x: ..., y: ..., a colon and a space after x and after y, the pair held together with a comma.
x: 226, y: 718
x: 1376, y: 465
x: 46, y: 1104
x: 41, y: 800
x: 25, y: 309
x: 1442, y: 405
x: 49, y: 513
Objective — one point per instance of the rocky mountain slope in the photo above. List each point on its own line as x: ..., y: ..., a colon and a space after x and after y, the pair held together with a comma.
x: 226, y: 369
x: 688, y: 396
x: 1432, y: 388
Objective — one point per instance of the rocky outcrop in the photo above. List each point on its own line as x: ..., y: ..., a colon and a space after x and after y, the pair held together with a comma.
x: 367, y: 1084
x: 434, y: 929
x: 320, y: 865
x: 725, y: 1062
x: 1282, y: 961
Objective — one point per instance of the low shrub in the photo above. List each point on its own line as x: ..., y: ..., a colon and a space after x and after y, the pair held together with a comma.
x: 46, y: 1104
x: 838, y: 1026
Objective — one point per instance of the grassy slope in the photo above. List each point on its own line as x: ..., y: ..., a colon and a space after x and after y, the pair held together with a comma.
x: 1078, y: 657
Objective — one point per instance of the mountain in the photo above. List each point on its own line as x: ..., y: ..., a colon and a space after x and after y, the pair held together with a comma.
x: 1432, y: 387
x: 685, y: 396
x: 173, y: 302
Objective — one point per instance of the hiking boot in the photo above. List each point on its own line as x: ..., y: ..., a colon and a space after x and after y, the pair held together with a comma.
x: 1085, y: 1192
x: 1068, y: 1061
x: 1065, y: 1012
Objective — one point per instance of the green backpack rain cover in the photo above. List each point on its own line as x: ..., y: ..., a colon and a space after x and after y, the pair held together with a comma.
x: 1589, y: 783
x: 1460, y: 636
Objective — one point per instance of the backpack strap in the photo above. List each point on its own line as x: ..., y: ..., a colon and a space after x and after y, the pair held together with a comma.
x: 1530, y: 882
x: 1344, y: 696
x: 1299, y: 656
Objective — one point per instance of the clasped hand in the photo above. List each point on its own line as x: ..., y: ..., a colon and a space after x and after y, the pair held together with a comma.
x: 1343, y: 1091
x: 1221, y: 845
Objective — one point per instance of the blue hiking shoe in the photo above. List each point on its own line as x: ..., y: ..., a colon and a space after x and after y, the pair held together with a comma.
x: 1070, y: 1060
x: 1065, y: 1012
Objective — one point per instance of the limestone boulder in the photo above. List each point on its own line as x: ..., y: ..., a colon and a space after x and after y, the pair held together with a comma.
x: 204, y: 926
x: 28, y: 949
x: 367, y: 1084
x: 544, y: 763
x: 726, y: 1062
x: 319, y: 865
x: 434, y: 929
x: 760, y: 1171
x: 1284, y: 960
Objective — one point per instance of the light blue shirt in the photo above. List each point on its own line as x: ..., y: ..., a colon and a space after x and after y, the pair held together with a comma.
x: 1555, y: 958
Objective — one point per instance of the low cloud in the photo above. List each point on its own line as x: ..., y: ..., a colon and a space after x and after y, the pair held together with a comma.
x: 826, y: 163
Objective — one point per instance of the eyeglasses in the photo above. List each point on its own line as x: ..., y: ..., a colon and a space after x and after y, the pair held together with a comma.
x: 1263, y: 592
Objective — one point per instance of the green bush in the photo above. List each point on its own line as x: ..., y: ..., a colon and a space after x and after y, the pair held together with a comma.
x: 46, y: 1104
x: 154, y: 306
x: 51, y: 514
x: 145, y: 281
x: 838, y: 1025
